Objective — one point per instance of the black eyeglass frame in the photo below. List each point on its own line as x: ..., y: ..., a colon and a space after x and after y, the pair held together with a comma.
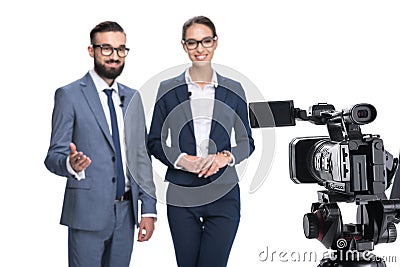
x: 118, y: 49
x: 200, y: 42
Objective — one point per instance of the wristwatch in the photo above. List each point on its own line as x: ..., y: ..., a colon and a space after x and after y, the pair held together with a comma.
x: 227, y: 154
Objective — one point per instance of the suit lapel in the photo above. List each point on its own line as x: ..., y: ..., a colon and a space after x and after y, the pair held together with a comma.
x: 219, y: 103
x: 125, y: 97
x: 92, y: 98
x: 182, y: 93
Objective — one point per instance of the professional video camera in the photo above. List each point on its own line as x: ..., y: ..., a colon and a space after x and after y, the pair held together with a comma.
x: 353, y: 167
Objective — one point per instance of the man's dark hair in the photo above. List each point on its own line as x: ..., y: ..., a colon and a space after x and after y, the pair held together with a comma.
x: 106, y: 26
x: 198, y: 20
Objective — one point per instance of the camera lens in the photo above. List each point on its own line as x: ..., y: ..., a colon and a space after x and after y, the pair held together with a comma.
x: 363, y: 113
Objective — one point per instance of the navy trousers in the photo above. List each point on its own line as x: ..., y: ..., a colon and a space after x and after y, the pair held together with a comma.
x: 203, y: 235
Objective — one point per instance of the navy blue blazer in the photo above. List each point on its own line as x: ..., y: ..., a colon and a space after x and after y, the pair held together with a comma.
x: 172, y: 118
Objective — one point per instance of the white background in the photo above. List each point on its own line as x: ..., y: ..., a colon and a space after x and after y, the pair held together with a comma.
x: 340, y: 52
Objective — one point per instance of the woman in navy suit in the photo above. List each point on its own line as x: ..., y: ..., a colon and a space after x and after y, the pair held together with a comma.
x: 194, y: 117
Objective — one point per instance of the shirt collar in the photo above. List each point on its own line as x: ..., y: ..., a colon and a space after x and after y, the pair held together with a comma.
x: 214, y: 79
x: 100, y: 83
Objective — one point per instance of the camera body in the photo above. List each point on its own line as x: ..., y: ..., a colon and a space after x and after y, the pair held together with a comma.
x: 346, y: 161
x: 347, y: 166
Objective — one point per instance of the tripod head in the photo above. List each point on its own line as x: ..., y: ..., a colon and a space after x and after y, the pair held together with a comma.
x: 376, y: 220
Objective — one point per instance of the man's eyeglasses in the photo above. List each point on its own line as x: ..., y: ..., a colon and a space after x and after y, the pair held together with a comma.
x: 206, y: 42
x: 108, y: 50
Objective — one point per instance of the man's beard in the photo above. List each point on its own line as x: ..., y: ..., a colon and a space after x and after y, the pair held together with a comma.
x: 108, y: 73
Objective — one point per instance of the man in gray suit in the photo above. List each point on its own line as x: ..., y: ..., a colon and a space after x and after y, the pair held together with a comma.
x: 98, y: 142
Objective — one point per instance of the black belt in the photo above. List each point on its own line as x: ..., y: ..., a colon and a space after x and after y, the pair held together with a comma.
x: 126, y: 196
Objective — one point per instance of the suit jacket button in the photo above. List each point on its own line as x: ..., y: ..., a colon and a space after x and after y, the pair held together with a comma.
x: 113, y: 159
x: 113, y: 179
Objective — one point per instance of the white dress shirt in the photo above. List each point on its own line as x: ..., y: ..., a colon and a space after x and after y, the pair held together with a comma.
x: 202, y: 107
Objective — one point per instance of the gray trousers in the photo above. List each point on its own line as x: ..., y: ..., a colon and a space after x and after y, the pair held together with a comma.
x: 107, y: 248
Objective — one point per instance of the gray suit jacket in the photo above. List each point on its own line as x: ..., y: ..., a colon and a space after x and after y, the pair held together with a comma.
x: 78, y: 117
